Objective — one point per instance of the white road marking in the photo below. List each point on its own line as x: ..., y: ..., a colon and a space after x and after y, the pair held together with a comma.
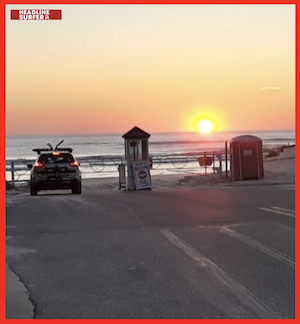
x: 13, y: 251
x: 287, y: 187
x: 277, y: 212
x: 285, y: 227
x: 280, y: 187
x: 244, y: 295
x: 284, y: 209
x: 259, y: 246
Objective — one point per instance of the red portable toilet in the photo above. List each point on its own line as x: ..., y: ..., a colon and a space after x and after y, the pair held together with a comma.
x: 246, y: 158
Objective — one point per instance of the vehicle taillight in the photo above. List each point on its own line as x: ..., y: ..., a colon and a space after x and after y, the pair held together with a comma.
x: 38, y: 164
x: 75, y: 163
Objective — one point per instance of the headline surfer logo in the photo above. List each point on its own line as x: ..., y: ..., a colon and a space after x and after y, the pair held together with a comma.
x: 142, y: 175
x: 35, y: 14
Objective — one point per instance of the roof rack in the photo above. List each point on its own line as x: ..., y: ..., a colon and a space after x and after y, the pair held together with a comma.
x: 60, y: 149
x: 51, y: 149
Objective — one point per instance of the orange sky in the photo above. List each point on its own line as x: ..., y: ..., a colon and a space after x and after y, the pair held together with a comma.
x: 107, y: 68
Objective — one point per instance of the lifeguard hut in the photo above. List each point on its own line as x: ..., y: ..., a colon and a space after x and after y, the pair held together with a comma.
x: 137, y: 159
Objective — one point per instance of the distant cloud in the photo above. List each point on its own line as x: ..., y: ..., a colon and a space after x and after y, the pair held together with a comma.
x: 271, y: 88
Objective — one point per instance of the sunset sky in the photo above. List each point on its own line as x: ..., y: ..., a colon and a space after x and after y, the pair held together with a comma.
x: 107, y: 68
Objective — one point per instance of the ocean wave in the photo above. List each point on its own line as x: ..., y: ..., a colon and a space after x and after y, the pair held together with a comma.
x: 115, y: 160
x: 279, y: 139
x: 118, y: 158
x: 95, y: 143
x: 174, y: 142
x: 187, y: 142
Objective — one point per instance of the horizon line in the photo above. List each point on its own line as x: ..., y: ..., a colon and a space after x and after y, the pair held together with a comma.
x: 157, y: 132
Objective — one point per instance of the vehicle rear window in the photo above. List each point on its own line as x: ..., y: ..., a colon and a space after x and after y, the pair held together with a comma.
x: 61, y: 158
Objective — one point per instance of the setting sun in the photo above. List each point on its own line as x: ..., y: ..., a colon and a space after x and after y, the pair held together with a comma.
x: 205, y: 126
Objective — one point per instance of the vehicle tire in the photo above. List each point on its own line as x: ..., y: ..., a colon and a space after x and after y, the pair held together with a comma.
x: 33, y: 190
x: 77, y: 189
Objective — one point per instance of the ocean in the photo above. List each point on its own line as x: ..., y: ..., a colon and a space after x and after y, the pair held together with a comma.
x: 100, y: 154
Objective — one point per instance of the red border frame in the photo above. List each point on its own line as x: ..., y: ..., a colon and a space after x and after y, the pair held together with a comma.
x: 2, y: 22
x: 150, y: 2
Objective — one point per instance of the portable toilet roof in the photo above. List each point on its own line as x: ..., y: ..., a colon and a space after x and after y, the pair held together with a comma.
x: 136, y: 132
x: 246, y: 138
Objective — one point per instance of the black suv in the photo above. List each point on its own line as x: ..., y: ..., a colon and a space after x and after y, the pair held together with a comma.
x: 55, y: 169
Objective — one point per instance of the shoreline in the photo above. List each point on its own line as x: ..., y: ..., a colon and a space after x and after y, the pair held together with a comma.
x: 266, y: 148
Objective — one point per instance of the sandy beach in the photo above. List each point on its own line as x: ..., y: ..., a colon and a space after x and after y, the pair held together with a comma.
x: 191, y: 180
x: 279, y: 169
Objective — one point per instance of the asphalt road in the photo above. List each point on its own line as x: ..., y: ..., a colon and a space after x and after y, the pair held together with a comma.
x: 215, y: 252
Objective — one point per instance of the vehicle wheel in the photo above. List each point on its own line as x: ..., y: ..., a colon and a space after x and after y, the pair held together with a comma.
x: 77, y: 189
x: 33, y: 190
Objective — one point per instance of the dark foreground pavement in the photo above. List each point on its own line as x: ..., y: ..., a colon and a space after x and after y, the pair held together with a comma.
x: 215, y: 252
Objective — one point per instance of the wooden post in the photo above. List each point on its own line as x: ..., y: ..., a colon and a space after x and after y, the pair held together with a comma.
x: 122, y: 178
x: 205, y: 162
x: 12, y: 169
x: 226, y: 171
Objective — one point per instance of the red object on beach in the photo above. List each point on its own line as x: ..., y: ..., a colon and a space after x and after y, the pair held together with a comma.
x: 205, y: 160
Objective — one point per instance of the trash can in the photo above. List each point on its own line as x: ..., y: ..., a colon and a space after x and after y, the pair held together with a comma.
x: 246, y: 158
